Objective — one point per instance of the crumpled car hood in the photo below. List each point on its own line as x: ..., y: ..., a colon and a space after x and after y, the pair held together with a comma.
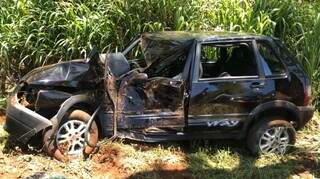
x: 66, y: 74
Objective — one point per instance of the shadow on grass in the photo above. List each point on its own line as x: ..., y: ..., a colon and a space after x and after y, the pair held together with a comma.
x: 204, y: 164
x: 216, y: 159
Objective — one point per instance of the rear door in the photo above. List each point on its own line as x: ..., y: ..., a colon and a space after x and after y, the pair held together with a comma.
x: 224, y: 92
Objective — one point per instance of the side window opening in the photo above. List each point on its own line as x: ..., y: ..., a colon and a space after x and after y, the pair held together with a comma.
x: 270, y: 62
x: 135, y: 53
x: 227, y: 60
x: 169, y: 68
x: 159, y: 57
x: 136, y: 57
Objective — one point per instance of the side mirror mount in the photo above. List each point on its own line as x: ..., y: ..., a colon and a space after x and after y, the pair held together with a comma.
x: 93, y: 57
x: 94, y: 62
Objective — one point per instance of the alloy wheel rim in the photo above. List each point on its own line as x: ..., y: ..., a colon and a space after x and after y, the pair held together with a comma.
x: 71, y: 137
x: 275, y: 140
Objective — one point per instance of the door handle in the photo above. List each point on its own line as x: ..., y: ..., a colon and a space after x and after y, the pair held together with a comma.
x: 257, y: 85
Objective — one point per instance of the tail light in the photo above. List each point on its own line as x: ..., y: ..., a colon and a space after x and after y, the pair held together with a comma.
x: 307, y: 95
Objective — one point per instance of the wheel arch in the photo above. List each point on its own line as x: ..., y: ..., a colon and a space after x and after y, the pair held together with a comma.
x: 83, y: 102
x: 285, y: 109
x: 89, y: 108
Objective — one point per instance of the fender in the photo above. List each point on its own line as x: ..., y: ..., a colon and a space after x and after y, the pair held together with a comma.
x: 276, y: 104
x: 66, y: 105
x: 31, y: 124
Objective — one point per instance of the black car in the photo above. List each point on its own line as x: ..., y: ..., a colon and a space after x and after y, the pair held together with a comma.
x: 167, y: 86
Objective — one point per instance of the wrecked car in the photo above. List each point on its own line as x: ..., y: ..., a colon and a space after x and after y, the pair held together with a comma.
x: 167, y: 86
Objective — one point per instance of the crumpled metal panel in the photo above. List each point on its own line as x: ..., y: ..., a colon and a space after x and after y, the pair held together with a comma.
x: 75, y: 74
x: 142, y: 102
x: 50, y: 99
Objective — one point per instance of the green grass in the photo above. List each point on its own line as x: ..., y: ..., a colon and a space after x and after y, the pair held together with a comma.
x: 38, y: 32
x: 217, y: 159
x: 3, y: 102
x: 310, y: 56
x: 3, y: 137
x: 198, y: 159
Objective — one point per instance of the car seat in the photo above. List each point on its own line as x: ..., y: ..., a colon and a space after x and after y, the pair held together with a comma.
x: 118, y: 64
x: 240, y: 63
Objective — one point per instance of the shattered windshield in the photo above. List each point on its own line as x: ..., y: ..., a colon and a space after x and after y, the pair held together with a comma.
x: 159, y: 47
x: 162, y: 55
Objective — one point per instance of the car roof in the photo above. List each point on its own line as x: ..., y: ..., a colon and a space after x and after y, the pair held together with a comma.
x: 202, y: 36
x: 168, y: 45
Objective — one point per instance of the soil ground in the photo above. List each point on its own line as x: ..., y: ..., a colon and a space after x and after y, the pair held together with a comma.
x: 194, y: 159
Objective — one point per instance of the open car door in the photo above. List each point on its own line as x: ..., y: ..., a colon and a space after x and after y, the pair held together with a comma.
x: 153, y: 97
x: 139, y: 102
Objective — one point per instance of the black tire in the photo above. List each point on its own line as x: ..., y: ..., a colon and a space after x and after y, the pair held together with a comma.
x: 259, y: 129
x: 50, y: 145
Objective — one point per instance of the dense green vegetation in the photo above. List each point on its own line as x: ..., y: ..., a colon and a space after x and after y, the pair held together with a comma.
x: 39, y: 32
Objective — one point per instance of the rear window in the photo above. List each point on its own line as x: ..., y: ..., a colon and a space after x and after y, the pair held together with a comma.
x: 272, y: 65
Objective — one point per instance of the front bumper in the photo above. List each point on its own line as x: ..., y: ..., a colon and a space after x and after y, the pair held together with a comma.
x: 23, y: 123
x: 305, y: 115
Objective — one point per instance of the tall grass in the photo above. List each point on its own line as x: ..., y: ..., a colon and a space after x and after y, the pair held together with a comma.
x: 2, y: 103
x: 310, y: 56
x: 38, y: 32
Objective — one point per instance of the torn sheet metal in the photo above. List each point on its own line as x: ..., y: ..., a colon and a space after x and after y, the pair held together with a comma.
x: 141, y: 98
x: 50, y: 99
x: 141, y: 102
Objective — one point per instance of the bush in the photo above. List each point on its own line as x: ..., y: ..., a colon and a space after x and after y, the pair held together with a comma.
x: 39, y: 32
x: 309, y: 55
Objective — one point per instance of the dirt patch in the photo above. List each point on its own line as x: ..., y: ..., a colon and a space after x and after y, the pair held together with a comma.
x: 139, y: 161
x: 178, y: 170
x: 63, y: 147
x: 107, y: 154
x: 183, y: 174
x: 108, y: 161
x: 174, y: 167
x: 141, y: 147
x: 309, y: 163
x: 160, y: 170
x: 2, y: 116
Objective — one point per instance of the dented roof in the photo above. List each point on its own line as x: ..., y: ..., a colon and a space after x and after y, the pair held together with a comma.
x: 182, y: 36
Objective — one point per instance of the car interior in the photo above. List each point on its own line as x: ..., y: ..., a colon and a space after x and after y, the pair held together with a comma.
x: 217, y: 61
x: 227, y: 60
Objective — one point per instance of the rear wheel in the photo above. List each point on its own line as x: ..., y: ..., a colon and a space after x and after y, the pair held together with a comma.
x: 275, y: 135
x: 69, y: 140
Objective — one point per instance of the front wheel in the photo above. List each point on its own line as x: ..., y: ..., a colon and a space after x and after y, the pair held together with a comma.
x: 69, y: 139
x: 271, y: 136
